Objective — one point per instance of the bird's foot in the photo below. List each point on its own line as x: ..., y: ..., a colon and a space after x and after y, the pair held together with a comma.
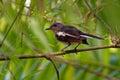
x: 75, y: 49
x: 62, y: 50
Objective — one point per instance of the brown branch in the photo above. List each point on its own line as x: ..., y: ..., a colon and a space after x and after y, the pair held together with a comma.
x: 97, y: 17
x: 57, y: 72
x: 3, y: 58
x: 52, y: 55
x: 82, y: 67
x: 91, y: 48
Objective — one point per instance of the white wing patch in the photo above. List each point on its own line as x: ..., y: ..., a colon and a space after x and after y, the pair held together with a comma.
x: 86, y: 36
x: 71, y: 36
x: 61, y: 34
x: 65, y: 34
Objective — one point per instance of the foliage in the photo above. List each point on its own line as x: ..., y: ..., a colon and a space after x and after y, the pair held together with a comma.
x: 24, y: 28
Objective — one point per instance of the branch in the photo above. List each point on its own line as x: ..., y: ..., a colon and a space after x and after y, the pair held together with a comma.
x: 97, y: 17
x: 114, y: 38
x: 82, y: 67
x: 52, y: 54
x: 57, y: 72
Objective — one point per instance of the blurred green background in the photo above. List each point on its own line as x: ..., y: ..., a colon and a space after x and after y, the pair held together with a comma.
x: 28, y: 34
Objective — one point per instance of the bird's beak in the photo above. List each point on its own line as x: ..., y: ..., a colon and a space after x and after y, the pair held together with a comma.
x: 48, y: 28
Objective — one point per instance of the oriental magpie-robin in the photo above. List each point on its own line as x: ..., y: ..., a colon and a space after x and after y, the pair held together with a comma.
x: 70, y: 34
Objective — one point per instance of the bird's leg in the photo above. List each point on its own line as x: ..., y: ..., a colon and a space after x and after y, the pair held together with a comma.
x: 66, y: 46
x: 76, y: 47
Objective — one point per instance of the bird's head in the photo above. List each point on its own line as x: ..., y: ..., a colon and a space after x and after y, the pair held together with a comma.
x: 55, y: 27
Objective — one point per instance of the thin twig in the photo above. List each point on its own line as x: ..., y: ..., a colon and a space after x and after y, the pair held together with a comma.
x: 52, y: 54
x: 57, y: 72
x: 91, y: 49
x: 16, y: 17
x: 82, y: 67
x: 97, y: 17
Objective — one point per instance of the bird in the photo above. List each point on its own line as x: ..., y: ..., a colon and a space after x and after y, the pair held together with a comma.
x: 70, y: 35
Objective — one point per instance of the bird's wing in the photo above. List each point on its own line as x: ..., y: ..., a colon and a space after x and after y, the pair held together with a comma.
x: 69, y: 31
x: 91, y: 36
x: 61, y: 33
x: 74, y: 32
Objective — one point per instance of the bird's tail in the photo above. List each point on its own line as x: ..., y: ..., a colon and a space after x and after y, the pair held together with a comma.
x: 91, y: 36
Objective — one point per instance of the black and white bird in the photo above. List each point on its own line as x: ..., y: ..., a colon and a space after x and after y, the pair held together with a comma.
x: 70, y: 35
